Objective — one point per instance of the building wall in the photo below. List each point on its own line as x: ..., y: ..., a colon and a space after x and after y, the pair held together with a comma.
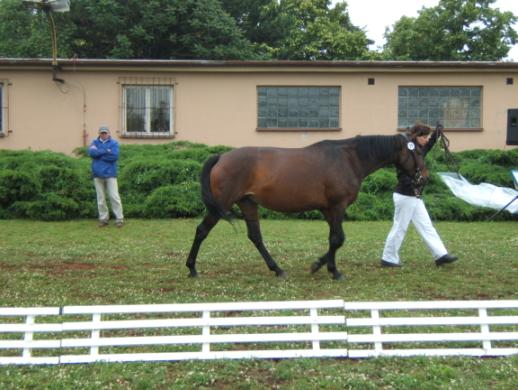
x: 219, y: 107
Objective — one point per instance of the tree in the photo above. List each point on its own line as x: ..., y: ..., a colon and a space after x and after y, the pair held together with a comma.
x: 299, y: 29
x: 186, y: 29
x: 155, y: 29
x: 159, y: 29
x: 317, y: 32
x: 23, y: 31
x: 454, y: 30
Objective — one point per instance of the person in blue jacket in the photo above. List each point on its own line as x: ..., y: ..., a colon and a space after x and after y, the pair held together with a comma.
x: 104, y: 151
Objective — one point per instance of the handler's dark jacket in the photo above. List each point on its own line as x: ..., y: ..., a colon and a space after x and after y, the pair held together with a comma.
x: 405, y: 183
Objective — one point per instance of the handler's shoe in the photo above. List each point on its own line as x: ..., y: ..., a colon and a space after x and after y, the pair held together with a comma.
x: 102, y: 224
x: 119, y: 224
x: 385, y: 263
x: 446, y: 259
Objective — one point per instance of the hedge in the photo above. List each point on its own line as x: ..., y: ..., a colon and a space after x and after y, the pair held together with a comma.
x: 162, y: 181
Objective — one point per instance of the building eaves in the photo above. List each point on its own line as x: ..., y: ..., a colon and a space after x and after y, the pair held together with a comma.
x: 257, y: 66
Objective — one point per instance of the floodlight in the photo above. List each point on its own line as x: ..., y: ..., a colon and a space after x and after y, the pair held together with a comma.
x: 52, y: 5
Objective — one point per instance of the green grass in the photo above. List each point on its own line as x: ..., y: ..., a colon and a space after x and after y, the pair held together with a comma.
x: 75, y: 263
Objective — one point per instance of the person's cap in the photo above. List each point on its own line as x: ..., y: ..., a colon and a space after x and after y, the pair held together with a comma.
x: 104, y: 129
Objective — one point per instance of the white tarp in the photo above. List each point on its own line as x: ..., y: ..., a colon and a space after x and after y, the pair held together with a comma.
x: 484, y: 194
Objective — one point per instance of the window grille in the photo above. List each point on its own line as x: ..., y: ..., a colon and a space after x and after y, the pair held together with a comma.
x: 147, y: 107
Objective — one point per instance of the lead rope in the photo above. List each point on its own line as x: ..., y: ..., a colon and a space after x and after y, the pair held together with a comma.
x: 444, y: 143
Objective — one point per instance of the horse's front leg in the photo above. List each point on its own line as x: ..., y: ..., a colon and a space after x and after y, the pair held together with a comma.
x: 202, y: 231
x: 336, y: 240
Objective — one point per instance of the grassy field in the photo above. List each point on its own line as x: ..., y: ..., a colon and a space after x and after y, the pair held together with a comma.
x: 75, y: 263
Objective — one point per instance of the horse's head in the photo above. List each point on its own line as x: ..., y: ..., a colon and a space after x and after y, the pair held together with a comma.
x: 411, y: 160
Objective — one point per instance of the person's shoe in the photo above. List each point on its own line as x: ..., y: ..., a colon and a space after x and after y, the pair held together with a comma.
x: 119, y: 224
x: 446, y: 259
x: 102, y: 224
x: 385, y: 263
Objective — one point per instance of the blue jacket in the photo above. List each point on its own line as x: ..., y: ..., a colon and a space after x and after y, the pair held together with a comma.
x: 104, y: 157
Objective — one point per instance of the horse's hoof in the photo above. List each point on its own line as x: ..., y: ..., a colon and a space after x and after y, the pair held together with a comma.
x: 281, y: 274
x: 193, y: 274
x: 315, y: 267
x: 338, y: 276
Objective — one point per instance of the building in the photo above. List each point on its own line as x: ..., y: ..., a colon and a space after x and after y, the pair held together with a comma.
x: 237, y: 103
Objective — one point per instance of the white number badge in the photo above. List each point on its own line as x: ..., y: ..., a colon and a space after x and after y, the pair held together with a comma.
x: 410, y: 146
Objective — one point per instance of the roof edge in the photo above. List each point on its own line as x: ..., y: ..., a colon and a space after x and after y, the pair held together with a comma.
x: 149, y: 63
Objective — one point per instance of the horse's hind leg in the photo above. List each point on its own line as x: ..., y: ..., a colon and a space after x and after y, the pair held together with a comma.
x: 249, y: 209
x: 336, y: 239
x: 202, y: 231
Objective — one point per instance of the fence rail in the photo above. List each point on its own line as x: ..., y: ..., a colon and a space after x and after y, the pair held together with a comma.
x: 327, y: 328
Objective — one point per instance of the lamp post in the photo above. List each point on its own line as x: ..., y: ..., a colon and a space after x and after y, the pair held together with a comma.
x: 50, y: 6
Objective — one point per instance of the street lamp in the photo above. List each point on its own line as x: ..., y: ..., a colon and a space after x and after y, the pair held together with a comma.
x: 50, y: 6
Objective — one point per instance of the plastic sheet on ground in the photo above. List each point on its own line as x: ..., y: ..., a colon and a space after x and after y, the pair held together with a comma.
x: 483, y: 194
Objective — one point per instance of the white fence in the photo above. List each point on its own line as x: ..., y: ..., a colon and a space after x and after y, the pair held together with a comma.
x: 240, y: 330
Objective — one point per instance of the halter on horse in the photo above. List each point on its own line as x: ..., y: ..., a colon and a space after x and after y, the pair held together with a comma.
x: 325, y: 176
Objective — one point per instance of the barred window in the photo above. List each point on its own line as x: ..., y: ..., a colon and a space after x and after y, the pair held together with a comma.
x: 298, y: 107
x: 453, y: 107
x: 148, y: 109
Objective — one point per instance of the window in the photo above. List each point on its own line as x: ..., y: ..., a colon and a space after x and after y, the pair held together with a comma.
x: 298, y: 108
x: 453, y: 107
x: 148, y: 110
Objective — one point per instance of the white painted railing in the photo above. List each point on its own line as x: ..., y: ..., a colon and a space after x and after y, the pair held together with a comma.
x: 475, y: 328
x: 20, y: 324
x: 80, y: 334
x: 185, y: 331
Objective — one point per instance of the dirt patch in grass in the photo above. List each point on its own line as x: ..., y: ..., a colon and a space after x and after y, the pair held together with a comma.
x: 8, y: 267
x: 60, y: 267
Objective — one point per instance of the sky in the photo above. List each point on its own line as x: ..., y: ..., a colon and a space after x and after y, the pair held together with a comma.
x: 375, y: 15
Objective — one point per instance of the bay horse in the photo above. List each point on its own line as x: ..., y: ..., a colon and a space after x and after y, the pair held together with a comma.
x: 324, y: 176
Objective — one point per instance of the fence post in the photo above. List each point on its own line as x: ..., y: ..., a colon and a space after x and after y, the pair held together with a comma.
x: 376, y: 330
x: 484, y: 329
x: 28, y: 336
x: 96, y: 319
x: 206, y: 332
x: 314, y: 328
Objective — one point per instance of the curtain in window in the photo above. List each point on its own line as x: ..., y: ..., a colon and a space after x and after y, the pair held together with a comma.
x: 148, y: 109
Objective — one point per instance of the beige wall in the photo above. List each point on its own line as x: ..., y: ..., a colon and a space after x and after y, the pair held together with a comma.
x: 220, y: 106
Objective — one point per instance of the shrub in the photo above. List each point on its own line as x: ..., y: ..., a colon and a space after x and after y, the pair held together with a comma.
x: 369, y: 207
x: 161, y: 181
x: 49, y: 207
x: 380, y: 181
x: 181, y: 200
x: 146, y: 175
x: 17, y: 185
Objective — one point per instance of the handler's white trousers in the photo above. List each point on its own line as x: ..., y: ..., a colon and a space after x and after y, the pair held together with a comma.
x: 411, y: 209
x: 108, y: 185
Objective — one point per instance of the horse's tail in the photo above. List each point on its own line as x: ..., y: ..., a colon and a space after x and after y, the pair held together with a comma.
x: 212, y: 205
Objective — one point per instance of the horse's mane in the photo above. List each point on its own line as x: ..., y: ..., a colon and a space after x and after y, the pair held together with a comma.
x: 378, y: 147
x: 370, y: 147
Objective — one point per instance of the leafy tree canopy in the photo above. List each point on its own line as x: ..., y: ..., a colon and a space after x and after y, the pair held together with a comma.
x: 300, y: 29
x: 464, y: 30
x: 251, y: 30
x: 155, y: 29
x: 23, y: 33
x: 185, y: 29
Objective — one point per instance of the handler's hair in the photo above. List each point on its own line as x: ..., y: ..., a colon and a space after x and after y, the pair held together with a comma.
x: 418, y: 130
